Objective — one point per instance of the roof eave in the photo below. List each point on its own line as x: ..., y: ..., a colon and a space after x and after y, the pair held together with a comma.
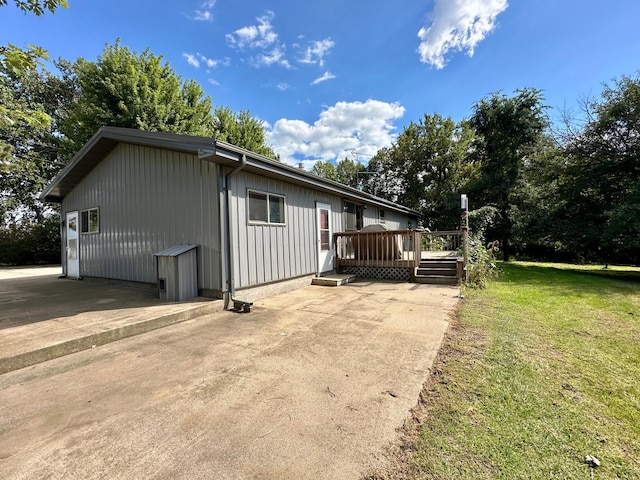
x: 105, y: 139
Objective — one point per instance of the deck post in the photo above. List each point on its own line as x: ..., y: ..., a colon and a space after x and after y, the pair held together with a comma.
x: 464, y: 205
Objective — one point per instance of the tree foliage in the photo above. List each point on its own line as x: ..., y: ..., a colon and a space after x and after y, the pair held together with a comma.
x: 426, y: 169
x: 16, y: 62
x: 31, y: 156
x: 37, y: 7
x: 346, y: 171
x: 325, y: 169
x: 124, y: 89
x: 599, y: 186
x: 45, y: 119
x: 508, y: 129
x: 241, y: 129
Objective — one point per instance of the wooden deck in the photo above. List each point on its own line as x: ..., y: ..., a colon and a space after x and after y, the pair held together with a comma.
x: 395, y: 248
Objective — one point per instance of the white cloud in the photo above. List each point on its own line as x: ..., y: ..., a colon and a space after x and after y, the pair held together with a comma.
x: 191, y: 59
x: 205, y: 13
x: 271, y: 57
x: 342, y: 128
x: 323, y: 78
x: 261, y: 37
x: 254, y: 36
x: 457, y: 25
x: 283, y: 86
x: 197, y: 59
x: 213, y: 82
x: 316, y: 52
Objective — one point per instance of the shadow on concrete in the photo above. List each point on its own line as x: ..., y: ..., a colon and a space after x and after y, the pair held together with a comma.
x: 33, y: 299
x: 44, y: 316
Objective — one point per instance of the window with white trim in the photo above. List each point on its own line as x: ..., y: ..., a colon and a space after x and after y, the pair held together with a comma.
x: 90, y: 220
x: 266, y: 208
x: 382, y: 216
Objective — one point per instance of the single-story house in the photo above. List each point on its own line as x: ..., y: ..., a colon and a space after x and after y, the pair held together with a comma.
x: 128, y: 194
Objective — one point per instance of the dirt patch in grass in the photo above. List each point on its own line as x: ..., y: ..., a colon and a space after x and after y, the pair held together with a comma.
x: 460, y: 342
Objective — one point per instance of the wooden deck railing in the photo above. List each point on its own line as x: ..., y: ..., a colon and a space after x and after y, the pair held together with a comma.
x: 395, y: 248
x: 441, y: 241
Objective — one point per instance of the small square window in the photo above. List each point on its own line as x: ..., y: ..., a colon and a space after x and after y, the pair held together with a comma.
x: 90, y: 221
x: 266, y: 208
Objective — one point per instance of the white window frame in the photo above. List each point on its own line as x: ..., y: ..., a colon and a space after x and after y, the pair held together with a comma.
x: 382, y: 215
x: 268, y: 196
x: 85, y: 227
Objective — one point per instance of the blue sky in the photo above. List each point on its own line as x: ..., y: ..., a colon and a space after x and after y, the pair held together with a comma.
x: 343, y: 77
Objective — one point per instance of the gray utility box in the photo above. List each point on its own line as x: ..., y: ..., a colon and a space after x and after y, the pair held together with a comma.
x: 177, y: 269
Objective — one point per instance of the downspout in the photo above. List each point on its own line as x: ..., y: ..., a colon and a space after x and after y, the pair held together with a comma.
x: 230, y: 259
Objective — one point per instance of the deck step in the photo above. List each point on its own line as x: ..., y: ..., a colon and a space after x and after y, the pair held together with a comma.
x: 334, y: 280
x: 438, y: 264
x: 436, y: 280
x: 437, y: 272
x: 447, y: 272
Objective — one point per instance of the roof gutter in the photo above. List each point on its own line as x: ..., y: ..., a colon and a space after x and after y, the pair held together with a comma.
x: 231, y: 292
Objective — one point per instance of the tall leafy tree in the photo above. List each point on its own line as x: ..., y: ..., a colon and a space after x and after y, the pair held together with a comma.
x: 382, y: 177
x: 241, y: 129
x: 507, y: 129
x: 31, y: 157
x: 15, y: 62
x: 125, y: 89
x: 536, y: 198
x: 325, y: 169
x: 599, y: 195
x: 347, y: 172
x: 427, y: 168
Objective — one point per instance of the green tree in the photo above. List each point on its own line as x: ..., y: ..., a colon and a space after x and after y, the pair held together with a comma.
x: 347, y: 172
x: 31, y: 156
x: 508, y: 129
x: 325, y: 170
x: 17, y: 61
x: 536, y: 199
x: 382, y: 177
x: 241, y: 129
x: 37, y: 7
x: 125, y: 89
x: 599, y: 191
x: 426, y: 169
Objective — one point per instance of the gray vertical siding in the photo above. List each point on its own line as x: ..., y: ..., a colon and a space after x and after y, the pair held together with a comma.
x: 397, y: 221
x: 149, y: 200
x: 269, y: 253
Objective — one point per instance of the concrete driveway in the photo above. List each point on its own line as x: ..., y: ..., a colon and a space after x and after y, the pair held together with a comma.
x: 311, y: 384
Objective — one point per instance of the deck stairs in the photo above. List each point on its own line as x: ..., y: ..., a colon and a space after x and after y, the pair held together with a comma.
x: 437, y: 271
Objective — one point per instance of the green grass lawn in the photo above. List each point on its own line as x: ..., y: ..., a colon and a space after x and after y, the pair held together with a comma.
x: 538, y: 370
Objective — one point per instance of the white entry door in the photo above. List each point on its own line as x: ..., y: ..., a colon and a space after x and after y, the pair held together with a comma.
x: 324, y: 234
x: 73, y: 246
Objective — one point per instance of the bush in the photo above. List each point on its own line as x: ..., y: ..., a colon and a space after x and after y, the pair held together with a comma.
x: 482, y: 264
x: 31, y: 243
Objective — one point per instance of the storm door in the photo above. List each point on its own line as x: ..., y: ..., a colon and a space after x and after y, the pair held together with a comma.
x: 73, y: 245
x: 323, y: 236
